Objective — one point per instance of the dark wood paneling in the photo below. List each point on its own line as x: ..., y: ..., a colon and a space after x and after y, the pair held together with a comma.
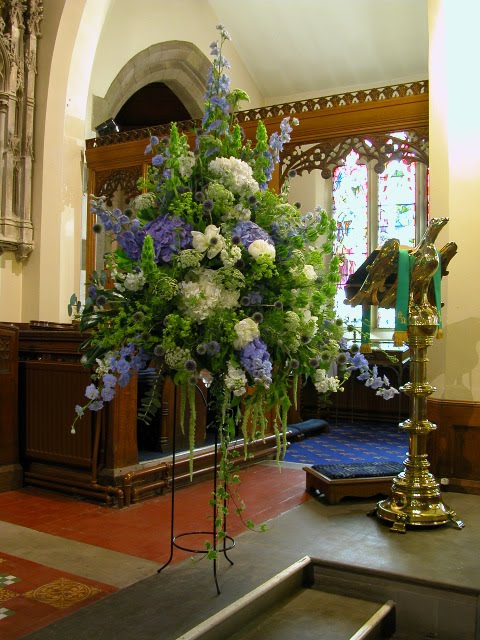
x: 51, y: 391
x: 454, y: 447
x: 11, y: 473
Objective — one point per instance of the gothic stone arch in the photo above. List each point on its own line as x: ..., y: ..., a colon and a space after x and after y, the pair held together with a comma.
x: 180, y: 65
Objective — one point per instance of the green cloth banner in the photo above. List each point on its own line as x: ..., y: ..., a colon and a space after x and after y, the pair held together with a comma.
x: 403, y: 289
x: 365, y: 346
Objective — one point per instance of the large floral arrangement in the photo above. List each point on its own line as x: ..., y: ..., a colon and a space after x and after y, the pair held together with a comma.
x: 219, y: 279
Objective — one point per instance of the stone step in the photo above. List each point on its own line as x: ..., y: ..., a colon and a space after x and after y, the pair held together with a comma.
x: 290, y: 606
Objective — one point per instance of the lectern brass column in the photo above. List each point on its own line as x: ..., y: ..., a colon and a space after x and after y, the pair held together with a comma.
x: 415, y: 496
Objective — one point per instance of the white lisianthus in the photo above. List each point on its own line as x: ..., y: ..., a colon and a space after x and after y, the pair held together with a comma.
x: 231, y: 256
x: 236, y: 380
x: 309, y: 272
x: 246, y: 330
x: 324, y: 383
x: 134, y: 281
x: 259, y: 248
x: 211, y: 241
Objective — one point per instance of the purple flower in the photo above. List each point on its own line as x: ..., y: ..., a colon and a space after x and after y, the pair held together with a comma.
x: 256, y: 360
x: 170, y: 235
x: 97, y: 405
x: 91, y: 392
x: 92, y: 292
x: 108, y: 393
x: 79, y: 410
x: 213, y: 348
x: 158, y: 160
x: 109, y: 380
x: 359, y: 361
x: 248, y: 232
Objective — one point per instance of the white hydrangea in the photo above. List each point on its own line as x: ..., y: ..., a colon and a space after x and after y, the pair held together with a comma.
x: 134, y: 281
x: 234, y: 174
x: 211, y: 242
x: 259, y: 248
x: 246, y: 330
x: 200, y: 297
x: 231, y: 256
x: 324, y: 383
x: 236, y: 380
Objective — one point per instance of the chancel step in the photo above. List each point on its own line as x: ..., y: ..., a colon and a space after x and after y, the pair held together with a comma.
x: 291, y: 606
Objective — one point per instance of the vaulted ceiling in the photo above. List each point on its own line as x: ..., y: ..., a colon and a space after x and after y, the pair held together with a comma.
x: 308, y: 48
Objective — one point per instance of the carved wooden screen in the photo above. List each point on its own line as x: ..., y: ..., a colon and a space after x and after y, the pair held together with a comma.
x: 326, y: 125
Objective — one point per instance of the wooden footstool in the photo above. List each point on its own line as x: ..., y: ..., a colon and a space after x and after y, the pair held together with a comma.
x: 334, y: 489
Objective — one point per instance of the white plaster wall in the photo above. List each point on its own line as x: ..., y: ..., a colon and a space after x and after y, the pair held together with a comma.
x: 128, y: 31
x: 455, y: 192
x: 10, y: 288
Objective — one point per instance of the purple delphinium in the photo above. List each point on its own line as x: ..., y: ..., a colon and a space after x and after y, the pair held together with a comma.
x: 256, y: 360
x: 248, y: 232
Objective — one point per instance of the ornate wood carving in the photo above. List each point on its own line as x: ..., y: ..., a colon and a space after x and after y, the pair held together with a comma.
x: 337, y: 100
x: 125, y: 179
x: 19, y: 32
x: 285, y: 109
x: 328, y: 154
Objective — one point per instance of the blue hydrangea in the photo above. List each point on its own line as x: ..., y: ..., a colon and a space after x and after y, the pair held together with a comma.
x: 248, y: 232
x: 256, y: 360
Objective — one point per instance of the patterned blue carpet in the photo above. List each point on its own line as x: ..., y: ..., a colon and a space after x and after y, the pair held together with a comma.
x: 351, y: 442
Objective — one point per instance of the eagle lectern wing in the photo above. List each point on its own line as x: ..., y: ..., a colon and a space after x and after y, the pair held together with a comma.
x: 384, y: 266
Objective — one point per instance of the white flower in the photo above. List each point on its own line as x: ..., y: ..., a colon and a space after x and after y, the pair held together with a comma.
x: 186, y: 165
x: 324, y: 383
x: 234, y: 174
x: 134, y: 281
x: 246, y: 330
x: 200, y: 298
x: 310, y: 321
x: 309, y: 272
x: 259, y: 248
x: 211, y: 241
x: 143, y: 201
x: 236, y: 380
x: 231, y: 256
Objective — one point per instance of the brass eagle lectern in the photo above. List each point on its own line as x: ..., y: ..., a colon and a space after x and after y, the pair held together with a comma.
x: 414, y: 275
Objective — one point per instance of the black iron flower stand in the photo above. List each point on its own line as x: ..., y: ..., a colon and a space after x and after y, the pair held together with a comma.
x: 227, y: 542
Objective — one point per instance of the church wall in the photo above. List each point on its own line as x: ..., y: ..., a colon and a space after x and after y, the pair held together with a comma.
x: 128, y: 32
x: 455, y: 192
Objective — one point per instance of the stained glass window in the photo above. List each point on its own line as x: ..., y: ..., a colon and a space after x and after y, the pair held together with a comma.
x: 350, y: 212
x: 369, y: 208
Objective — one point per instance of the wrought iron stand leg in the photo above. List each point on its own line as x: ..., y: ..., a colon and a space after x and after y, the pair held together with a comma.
x: 172, y: 505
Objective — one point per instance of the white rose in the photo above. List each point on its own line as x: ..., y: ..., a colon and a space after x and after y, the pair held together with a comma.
x: 246, y: 330
x: 261, y: 248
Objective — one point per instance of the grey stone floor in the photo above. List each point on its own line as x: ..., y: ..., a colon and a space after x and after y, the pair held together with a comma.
x: 168, y: 604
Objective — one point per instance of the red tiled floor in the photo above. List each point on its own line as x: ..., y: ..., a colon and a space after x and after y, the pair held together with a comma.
x: 143, y: 529
x: 33, y: 596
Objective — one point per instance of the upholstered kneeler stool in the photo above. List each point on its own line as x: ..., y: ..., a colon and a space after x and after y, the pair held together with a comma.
x: 356, y: 480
